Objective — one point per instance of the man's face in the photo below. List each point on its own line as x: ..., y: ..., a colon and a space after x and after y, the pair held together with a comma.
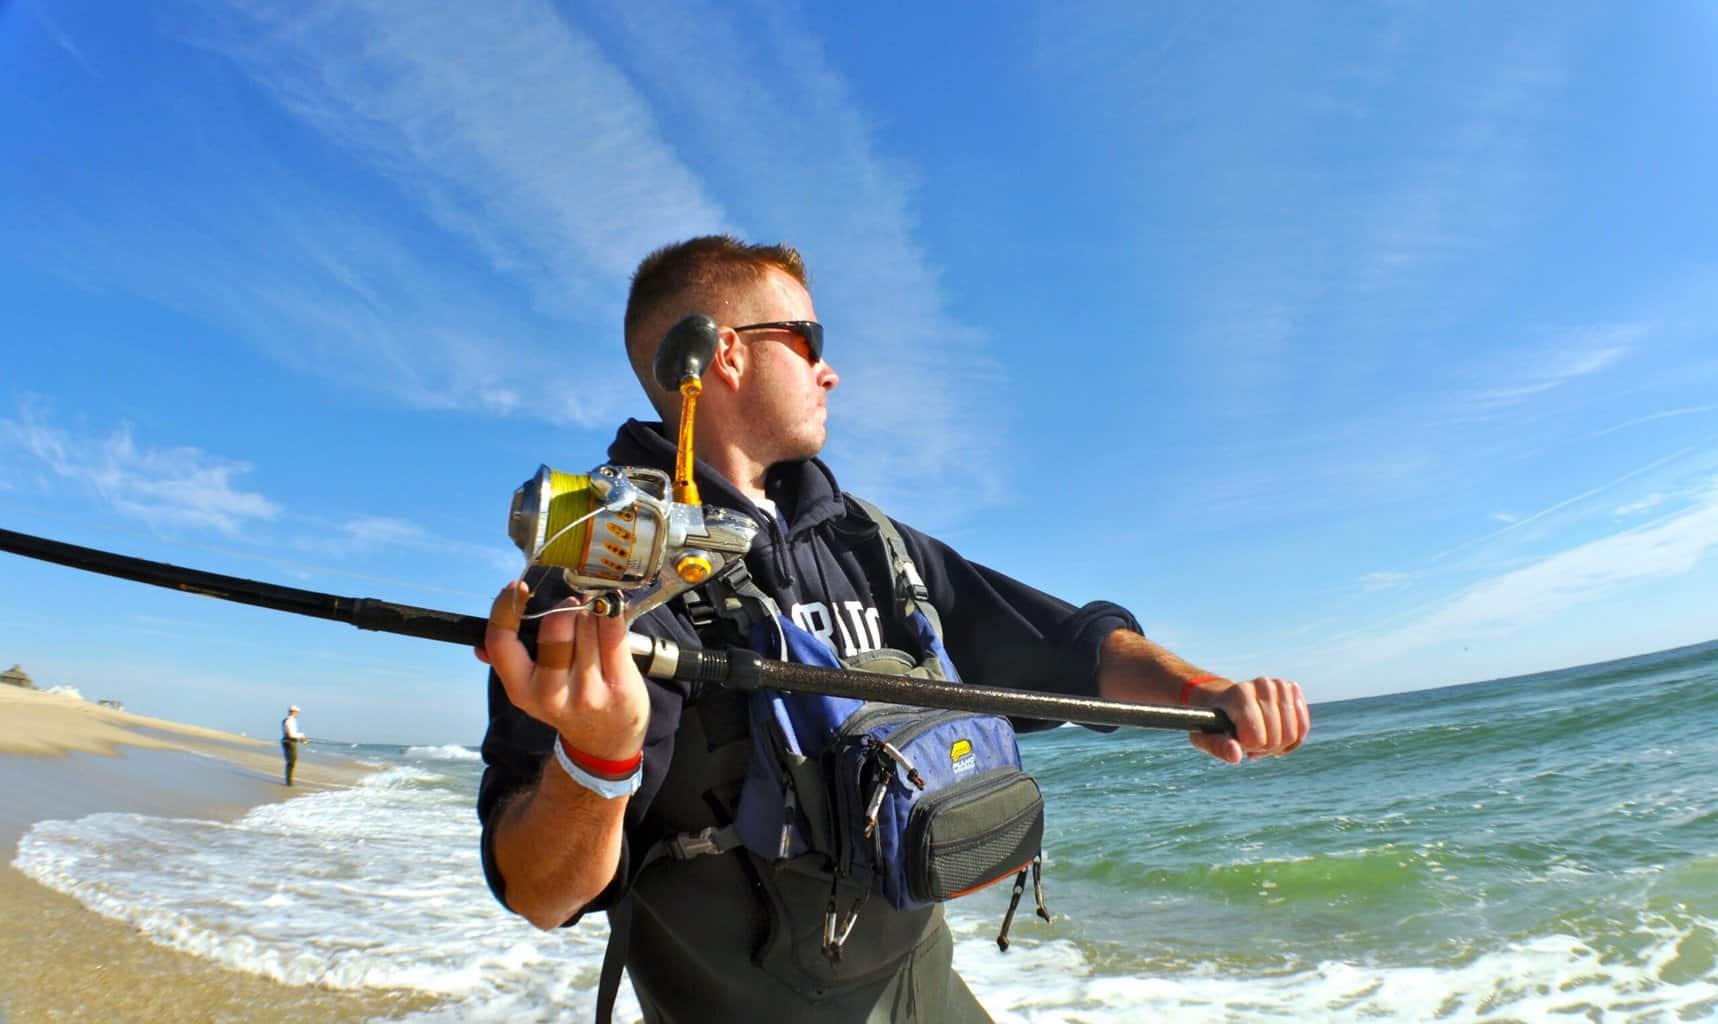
x: 784, y: 395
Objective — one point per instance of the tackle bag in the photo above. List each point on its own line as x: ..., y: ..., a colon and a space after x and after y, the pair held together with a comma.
x: 917, y: 804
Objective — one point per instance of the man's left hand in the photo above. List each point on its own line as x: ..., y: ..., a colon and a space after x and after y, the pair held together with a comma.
x: 1270, y: 716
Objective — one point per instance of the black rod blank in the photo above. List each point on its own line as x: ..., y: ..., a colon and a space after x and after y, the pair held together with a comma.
x: 363, y: 612
x: 734, y: 668
x: 747, y: 670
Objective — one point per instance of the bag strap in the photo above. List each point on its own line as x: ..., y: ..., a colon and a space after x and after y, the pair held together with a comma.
x: 614, y: 956
x: 732, y: 596
x: 736, y: 597
x: 685, y: 846
x: 911, y: 594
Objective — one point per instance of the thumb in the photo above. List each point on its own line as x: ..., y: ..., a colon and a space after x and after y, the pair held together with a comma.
x: 1223, y: 748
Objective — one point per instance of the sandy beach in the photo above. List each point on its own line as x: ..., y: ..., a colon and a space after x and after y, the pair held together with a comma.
x: 64, y: 758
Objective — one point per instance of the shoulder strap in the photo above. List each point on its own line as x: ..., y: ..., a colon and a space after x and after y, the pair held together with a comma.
x: 910, y: 591
x: 614, y: 957
x: 732, y: 595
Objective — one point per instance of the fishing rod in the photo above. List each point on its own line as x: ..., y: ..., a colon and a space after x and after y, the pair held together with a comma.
x: 662, y: 659
x: 632, y: 539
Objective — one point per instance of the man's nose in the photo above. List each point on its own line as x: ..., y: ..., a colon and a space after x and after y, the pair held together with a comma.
x: 827, y: 378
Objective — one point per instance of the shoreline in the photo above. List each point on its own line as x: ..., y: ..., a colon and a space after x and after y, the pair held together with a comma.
x: 65, y: 758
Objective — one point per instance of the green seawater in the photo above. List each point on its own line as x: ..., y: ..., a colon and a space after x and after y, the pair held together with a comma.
x: 1570, y: 816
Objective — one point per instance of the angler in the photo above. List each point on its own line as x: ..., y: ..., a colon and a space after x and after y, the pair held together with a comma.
x: 761, y: 856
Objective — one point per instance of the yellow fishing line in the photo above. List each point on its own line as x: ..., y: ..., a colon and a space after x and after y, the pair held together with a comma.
x: 569, y: 532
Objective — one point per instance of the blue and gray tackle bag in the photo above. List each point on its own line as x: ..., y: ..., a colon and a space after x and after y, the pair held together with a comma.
x: 915, y: 805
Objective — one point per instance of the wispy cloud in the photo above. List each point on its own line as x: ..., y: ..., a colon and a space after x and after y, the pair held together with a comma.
x: 1517, y: 522
x: 1690, y: 410
x: 531, y: 155
x: 897, y: 425
x: 506, y: 122
x: 1651, y: 501
x: 1386, y: 580
x: 1563, y: 360
x: 1465, y: 185
x: 159, y: 486
x: 371, y: 534
x: 1670, y: 546
x: 64, y: 41
x: 373, y: 531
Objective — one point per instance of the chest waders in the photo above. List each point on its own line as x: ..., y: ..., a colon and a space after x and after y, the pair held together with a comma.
x: 844, y: 799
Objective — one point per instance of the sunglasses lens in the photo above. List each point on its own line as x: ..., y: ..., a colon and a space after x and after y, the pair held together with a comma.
x: 813, y: 334
x: 807, y: 336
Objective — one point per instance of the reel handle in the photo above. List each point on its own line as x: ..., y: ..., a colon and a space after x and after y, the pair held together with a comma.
x: 685, y: 351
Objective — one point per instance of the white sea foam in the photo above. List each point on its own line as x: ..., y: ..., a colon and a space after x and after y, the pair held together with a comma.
x: 380, y: 886
x: 373, y: 887
x: 448, y: 752
x: 1551, y: 977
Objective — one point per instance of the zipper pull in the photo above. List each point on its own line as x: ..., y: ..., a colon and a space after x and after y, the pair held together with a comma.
x: 790, y: 813
x: 1013, y: 905
x: 899, y: 758
x: 874, y: 806
x: 1038, y: 887
x: 835, y: 927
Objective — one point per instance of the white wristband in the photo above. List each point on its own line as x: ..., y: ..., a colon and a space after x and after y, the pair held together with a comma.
x: 606, y: 788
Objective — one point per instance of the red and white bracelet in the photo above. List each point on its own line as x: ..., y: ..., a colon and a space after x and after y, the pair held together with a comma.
x: 607, y: 779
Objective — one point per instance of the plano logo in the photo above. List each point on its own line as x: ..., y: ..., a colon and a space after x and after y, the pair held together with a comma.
x: 961, y: 756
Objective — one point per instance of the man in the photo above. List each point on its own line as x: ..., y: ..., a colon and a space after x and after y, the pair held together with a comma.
x: 290, y: 737
x: 589, y: 766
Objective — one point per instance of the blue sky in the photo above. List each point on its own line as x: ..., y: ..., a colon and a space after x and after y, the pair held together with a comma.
x: 1376, y: 346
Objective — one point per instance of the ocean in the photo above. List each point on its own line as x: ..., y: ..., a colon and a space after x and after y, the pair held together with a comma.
x: 1540, y: 848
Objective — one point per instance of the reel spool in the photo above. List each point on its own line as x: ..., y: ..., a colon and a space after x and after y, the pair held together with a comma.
x: 606, y: 529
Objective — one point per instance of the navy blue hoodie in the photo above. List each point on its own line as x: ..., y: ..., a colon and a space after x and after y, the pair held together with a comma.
x: 824, y: 564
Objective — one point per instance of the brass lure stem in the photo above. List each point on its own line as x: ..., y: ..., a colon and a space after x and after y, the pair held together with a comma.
x: 685, y: 488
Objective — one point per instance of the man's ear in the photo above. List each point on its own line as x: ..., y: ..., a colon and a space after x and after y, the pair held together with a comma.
x: 728, y: 365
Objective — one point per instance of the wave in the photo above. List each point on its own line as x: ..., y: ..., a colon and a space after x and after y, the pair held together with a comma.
x: 1549, y: 977
x: 447, y: 752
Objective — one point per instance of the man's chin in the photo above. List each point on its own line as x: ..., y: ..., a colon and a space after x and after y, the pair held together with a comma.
x: 812, y: 444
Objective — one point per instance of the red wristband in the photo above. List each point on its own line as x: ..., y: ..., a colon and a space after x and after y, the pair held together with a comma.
x: 601, y: 766
x: 1188, y: 686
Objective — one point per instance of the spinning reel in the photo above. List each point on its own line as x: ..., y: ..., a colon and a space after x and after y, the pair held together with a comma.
x: 627, y: 537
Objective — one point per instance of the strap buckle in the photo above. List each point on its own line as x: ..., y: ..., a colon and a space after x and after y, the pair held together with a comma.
x: 907, y: 578
x: 702, y: 843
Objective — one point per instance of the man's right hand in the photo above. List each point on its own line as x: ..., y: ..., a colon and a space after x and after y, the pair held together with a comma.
x: 583, y: 684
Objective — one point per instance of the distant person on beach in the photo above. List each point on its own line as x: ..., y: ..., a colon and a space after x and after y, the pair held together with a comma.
x: 606, y: 791
x: 290, y: 738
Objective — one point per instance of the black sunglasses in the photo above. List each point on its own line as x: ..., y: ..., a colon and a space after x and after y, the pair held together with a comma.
x: 810, y: 331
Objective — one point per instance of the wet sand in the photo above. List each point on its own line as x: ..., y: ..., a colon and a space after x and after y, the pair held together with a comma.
x: 63, y: 758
